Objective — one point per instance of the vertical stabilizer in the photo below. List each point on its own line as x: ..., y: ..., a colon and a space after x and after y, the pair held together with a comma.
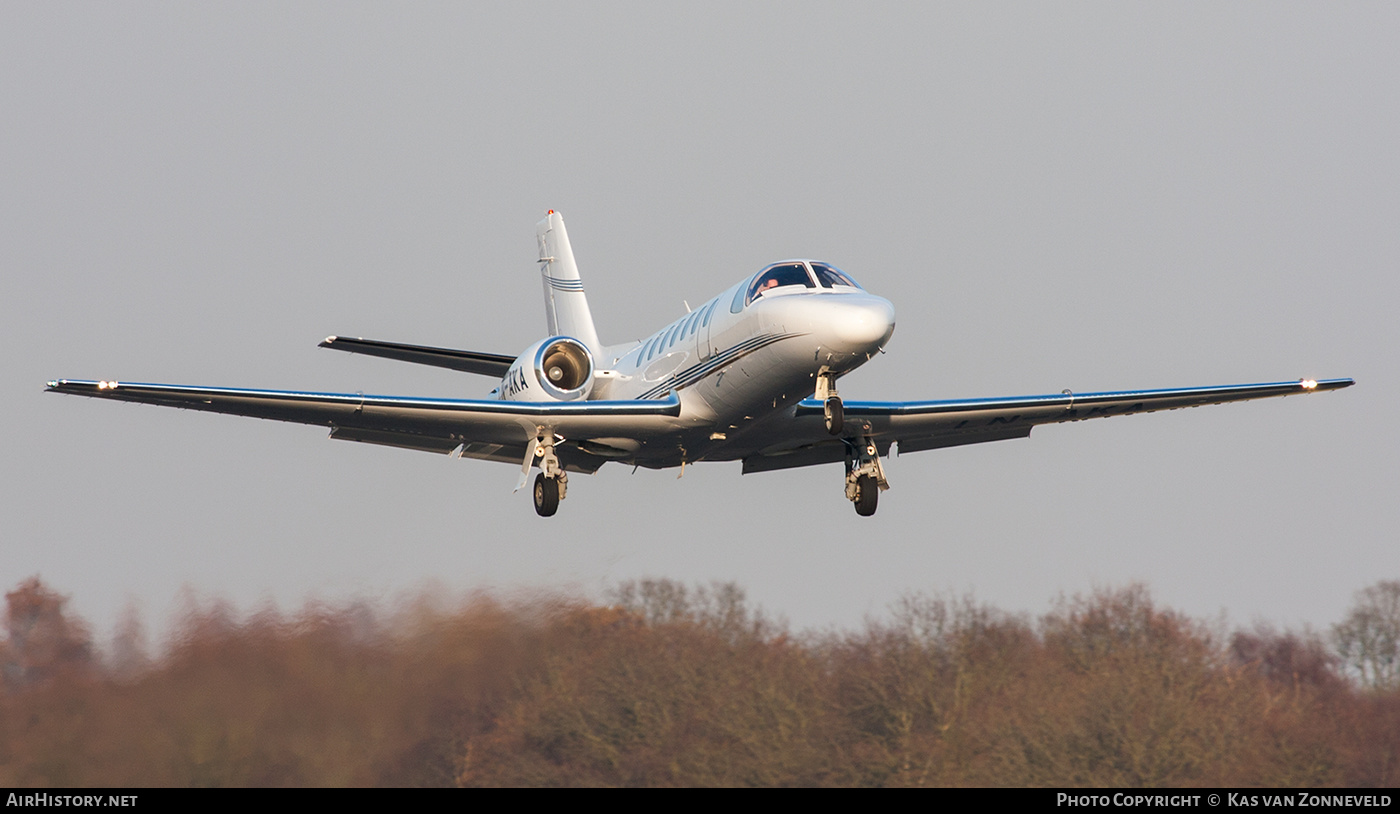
x: 565, y: 305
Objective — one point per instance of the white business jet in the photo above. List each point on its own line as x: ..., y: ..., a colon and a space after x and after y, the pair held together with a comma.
x: 748, y: 376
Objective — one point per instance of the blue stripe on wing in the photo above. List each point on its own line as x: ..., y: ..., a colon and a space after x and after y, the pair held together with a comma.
x: 175, y: 394
x: 1183, y: 396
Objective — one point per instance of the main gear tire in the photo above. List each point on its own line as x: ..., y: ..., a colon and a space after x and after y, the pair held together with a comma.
x: 867, y: 495
x: 546, y: 495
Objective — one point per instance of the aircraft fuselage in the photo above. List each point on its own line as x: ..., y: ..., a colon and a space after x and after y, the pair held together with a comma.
x: 738, y: 361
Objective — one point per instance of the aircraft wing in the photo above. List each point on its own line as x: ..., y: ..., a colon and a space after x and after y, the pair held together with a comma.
x: 488, y: 429
x: 487, y: 364
x: 921, y: 425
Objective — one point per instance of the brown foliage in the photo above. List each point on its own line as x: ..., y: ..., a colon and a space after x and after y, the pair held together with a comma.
x: 669, y: 685
x: 41, y: 643
x: 919, y: 695
x: 671, y: 688
x: 1128, y: 695
x: 327, y: 697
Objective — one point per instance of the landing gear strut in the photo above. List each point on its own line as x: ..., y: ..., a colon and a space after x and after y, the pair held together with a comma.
x: 552, y: 482
x: 865, y: 478
x: 834, y: 411
x: 835, y: 415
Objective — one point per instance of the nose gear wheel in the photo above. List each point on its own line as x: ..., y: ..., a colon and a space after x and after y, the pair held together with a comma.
x: 835, y: 415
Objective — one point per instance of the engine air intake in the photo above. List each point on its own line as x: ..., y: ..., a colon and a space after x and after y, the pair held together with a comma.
x: 565, y: 365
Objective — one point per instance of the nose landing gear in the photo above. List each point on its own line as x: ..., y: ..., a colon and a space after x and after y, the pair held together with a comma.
x: 865, y: 477
x: 834, y: 411
x: 835, y: 415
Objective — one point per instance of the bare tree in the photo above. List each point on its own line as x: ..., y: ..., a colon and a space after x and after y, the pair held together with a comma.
x: 41, y: 640
x: 1368, y: 640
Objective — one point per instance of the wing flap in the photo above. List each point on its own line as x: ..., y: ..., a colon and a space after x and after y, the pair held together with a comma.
x: 917, y: 444
x: 402, y: 440
x: 822, y: 453
x: 487, y: 364
x: 502, y: 453
x: 829, y: 452
x: 571, y: 457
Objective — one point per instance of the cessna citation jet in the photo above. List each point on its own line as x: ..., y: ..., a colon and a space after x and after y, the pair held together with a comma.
x: 748, y: 376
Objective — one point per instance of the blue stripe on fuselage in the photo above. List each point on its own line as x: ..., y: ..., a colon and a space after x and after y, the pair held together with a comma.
x: 698, y: 371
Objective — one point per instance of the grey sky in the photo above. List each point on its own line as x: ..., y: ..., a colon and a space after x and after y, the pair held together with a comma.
x: 1084, y: 196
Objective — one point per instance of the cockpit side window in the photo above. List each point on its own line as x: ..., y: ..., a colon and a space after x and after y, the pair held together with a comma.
x: 831, y: 276
x: 786, y: 274
x: 738, y: 304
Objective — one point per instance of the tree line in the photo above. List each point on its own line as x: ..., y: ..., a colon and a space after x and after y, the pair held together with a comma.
x: 665, y: 684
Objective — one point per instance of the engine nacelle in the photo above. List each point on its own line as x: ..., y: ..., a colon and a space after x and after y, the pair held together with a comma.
x: 559, y: 368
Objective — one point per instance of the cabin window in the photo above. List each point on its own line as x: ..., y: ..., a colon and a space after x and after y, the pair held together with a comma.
x: 705, y: 321
x: 738, y: 304
x: 690, y: 324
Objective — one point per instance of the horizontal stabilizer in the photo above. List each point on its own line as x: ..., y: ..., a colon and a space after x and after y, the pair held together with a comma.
x: 487, y: 364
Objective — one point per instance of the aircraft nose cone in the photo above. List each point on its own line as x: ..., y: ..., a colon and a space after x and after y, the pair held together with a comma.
x: 863, y: 323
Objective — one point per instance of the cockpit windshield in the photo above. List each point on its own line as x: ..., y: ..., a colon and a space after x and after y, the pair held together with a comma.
x: 779, y: 276
x: 830, y: 276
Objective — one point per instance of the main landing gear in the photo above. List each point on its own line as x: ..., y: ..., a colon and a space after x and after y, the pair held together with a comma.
x: 547, y: 495
x: 552, y: 482
x: 865, y: 478
x: 834, y: 411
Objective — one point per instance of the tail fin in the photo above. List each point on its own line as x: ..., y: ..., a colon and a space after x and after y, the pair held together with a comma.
x: 565, y: 304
